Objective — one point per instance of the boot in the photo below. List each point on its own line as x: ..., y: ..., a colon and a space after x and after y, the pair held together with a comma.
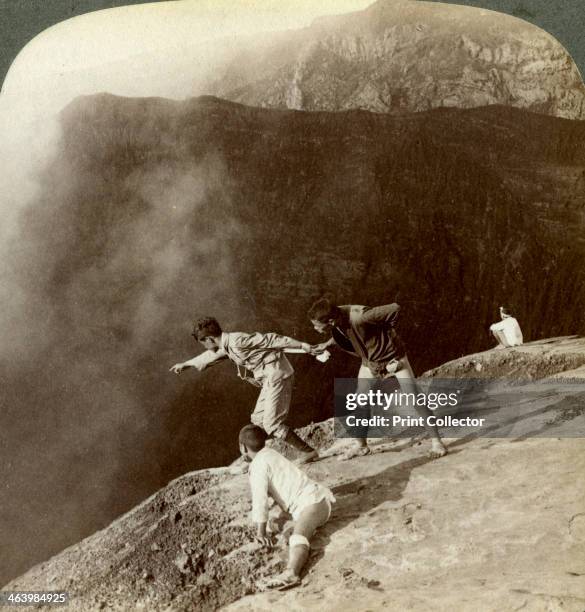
x: 308, y: 453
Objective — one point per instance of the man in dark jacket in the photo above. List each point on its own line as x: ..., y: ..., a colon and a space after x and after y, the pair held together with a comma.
x: 369, y: 333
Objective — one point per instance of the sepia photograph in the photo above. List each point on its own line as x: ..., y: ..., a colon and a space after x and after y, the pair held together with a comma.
x: 292, y: 305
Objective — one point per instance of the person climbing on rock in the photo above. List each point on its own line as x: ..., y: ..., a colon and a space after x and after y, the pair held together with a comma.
x: 262, y: 355
x: 309, y: 502
x: 507, y: 331
x: 369, y: 333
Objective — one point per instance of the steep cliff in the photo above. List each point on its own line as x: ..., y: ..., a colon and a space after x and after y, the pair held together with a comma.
x: 154, y: 212
x: 400, y: 55
x: 497, y: 524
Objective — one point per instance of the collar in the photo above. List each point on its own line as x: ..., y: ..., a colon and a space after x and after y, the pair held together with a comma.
x: 259, y: 454
x: 345, y: 317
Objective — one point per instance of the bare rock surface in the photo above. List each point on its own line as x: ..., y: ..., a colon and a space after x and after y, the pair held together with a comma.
x: 400, y: 55
x: 153, y: 212
x: 561, y: 357
x: 498, y: 524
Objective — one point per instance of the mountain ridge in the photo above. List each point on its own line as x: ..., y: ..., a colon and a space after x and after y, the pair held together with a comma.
x: 406, y: 55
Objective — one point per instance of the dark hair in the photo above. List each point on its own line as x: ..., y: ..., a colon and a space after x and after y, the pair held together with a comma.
x: 206, y: 327
x: 323, y: 310
x: 253, y: 437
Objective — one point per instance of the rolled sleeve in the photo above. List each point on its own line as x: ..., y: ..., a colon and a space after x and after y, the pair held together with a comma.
x: 265, y: 341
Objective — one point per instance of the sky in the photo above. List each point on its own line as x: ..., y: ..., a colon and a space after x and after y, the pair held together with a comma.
x: 161, y: 48
x: 143, y: 50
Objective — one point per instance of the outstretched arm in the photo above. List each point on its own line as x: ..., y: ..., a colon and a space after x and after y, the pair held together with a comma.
x: 318, y: 349
x: 202, y: 361
x: 259, y: 489
x: 270, y: 341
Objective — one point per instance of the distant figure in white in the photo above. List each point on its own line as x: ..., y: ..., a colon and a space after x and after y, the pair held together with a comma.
x: 507, y: 331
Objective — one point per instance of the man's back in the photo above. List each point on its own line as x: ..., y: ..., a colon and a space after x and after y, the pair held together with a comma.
x: 273, y: 474
x: 258, y: 352
x: 371, y: 332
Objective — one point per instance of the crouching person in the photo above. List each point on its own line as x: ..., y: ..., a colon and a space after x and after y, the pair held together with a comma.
x: 309, y: 502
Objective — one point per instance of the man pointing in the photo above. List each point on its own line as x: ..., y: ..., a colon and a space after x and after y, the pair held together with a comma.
x: 260, y: 360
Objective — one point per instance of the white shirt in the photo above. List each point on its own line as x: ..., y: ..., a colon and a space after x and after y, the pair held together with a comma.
x: 262, y: 354
x: 273, y: 475
x: 511, y: 330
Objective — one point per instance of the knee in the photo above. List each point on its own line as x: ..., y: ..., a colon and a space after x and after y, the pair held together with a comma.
x: 257, y: 420
x: 297, y: 539
x: 279, y: 431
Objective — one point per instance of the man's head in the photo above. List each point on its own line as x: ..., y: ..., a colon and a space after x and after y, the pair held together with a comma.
x: 252, y: 440
x: 324, y: 314
x: 207, y: 331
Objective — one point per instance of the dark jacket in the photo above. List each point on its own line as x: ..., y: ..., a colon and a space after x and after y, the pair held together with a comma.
x: 369, y: 333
